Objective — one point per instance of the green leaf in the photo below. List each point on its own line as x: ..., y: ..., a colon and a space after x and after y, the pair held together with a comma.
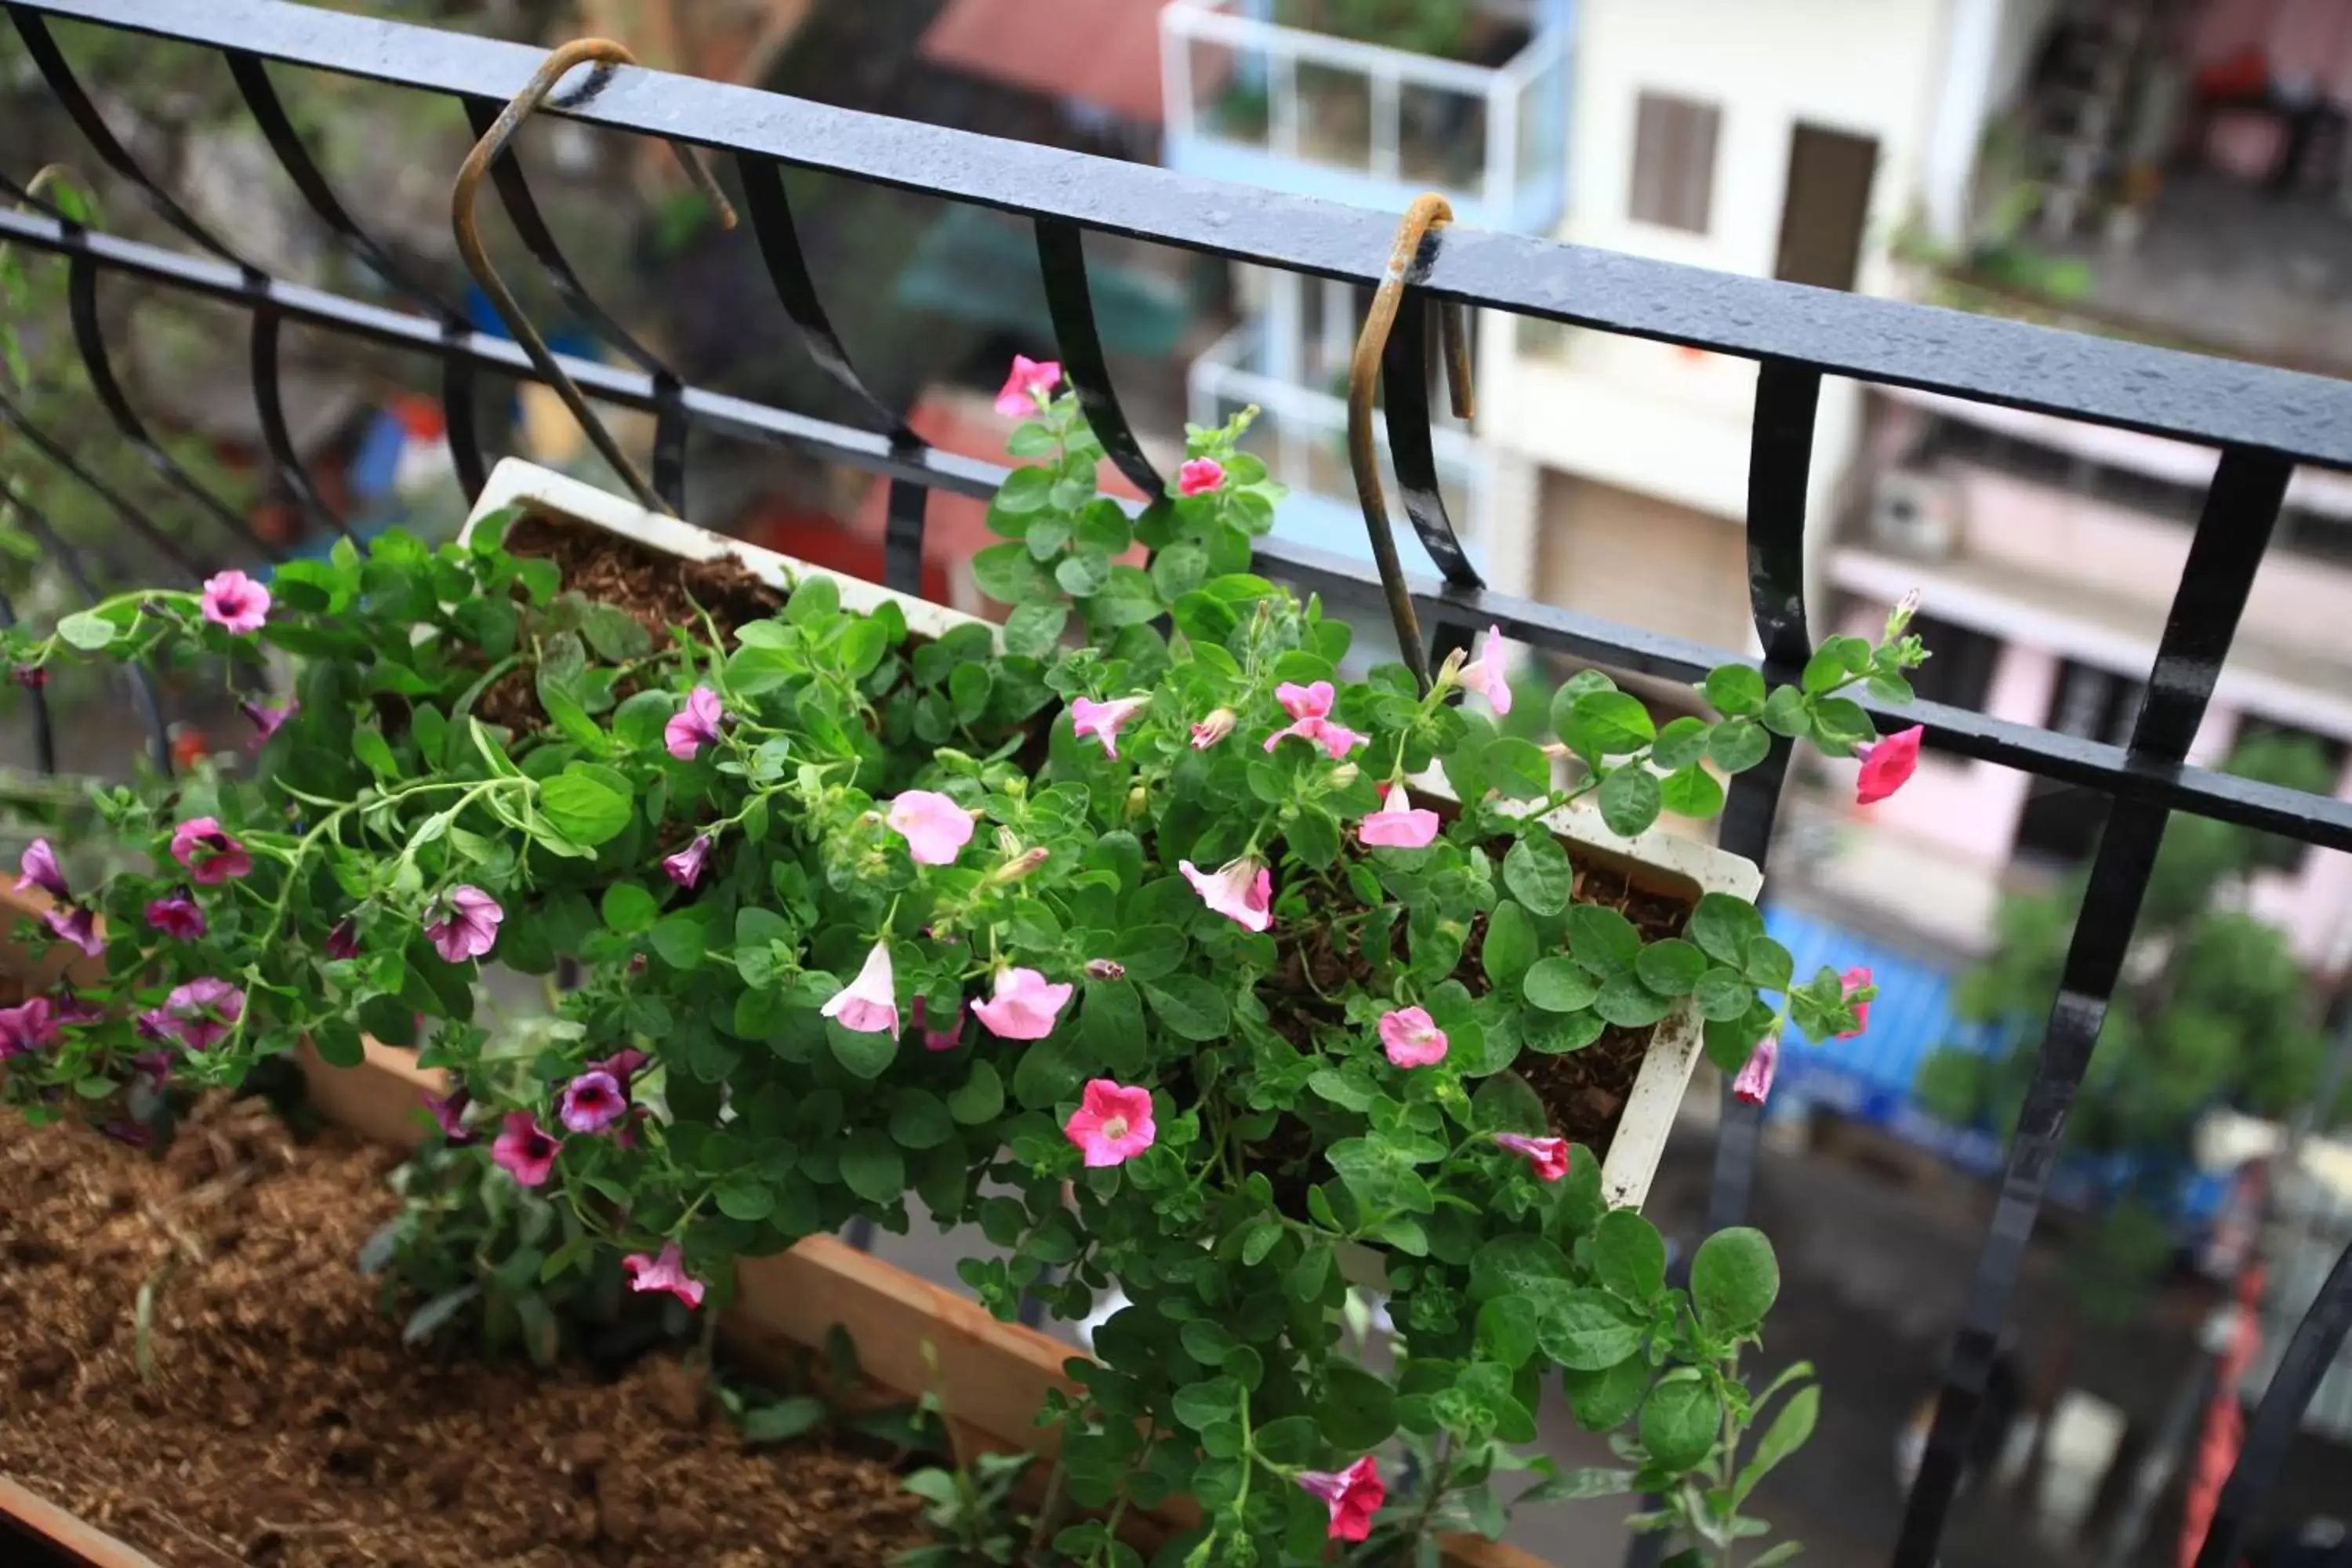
x: 1585, y: 1330
x: 1680, y: 1422
x: 1507, y: 1103
x: 1785, y: 713
x: 1723, y: 926
x: 1603, y: 940
x: 1552, y: 1035
x: 1048, y: 1073
x: 1788, y: 1432
x: 1538, y: 872
x: 746, y: 1197
x: 1510, y: 945
x: 337, y: 1041
x: 1082, y: 575
x: 979, y: 1099
x: 1202, y: 1405
x: 1506, y: 1330
x: 1357, y: 1411
x: 1558, y: 985
x: 1625, y: 1002
x: 1629, y: 1257
x: 920, y: 1119
x: 1602, y: 1401
x: 864, y: 1054
x: 1767, y: 964
x: 1692, y: 792
x: 1516, y: 767
x: 1190, y: 1006
x: 1575, y: 1486
x: 436, y: 1315
x: 1034, y: 631
x: 872, y: 1167
x: 1516, y: 1263
x: 680, y: 940
x: 790, y: 1417
x: 1738, y: 745
x: 588, y: 804
x: 1733, y: 1279
x: 1206, y: 1343
x: 1609, y: 724
x: 628, y: 908
x: 1261, y: 1241
x: 1734, y: 689
x: 1680, y: 744
x: 1630, y: 798
x: 1671, y: 967
x: 1723, y: 995
x: 1773, y: 1557
x: 86, y: 631
x: 1839, y: 724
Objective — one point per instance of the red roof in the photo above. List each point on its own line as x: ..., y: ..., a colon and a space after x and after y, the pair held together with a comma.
x: 1103, y: 52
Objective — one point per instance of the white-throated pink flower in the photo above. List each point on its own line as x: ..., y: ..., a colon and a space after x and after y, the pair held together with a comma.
x: 591, y: 1102
x: 694, y: 726
x: 1242, y: 890
x: 211, y: 855
x: 667, y: 1272
x: 1398, y: 823
x: 934, y: 827
x: 1888, y: 764
x: 1023, y: 1006
x: 201, y: 1013
x: 41, y: 868
x: 1354, y: 1495
x: 73, y: 923
x: 1753, y: 1086
x: 28, y: 1027
x: 684, y: 868
x: 1199, y: 476
x: 1104, y: 721
x: 1857, y: 980
x: 1547, y: 1156
x: 268, y: 718
x: 176, y: 915
x: 1029, y: 388
x: 869, y: 1004
x: 1309, y: 708
x: 1112, y: 1123
x: 1411, y: 1038
x: 235, y: 602
x: 464, y: 923
x: 525, y: 1149
x: 1488, y: 675
x: 1212, y: 729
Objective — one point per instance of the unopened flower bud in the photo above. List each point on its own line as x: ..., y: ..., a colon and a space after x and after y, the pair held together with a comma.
x: 1137, y: 799
x: 1345, y: 774
x: 1021, y: 865
x: 1899, y: 618
x: 1449, y: 674
x: 1212, y: 729
x: 31, y: 676
x: 1008, y: 843
x: 1106, y: 969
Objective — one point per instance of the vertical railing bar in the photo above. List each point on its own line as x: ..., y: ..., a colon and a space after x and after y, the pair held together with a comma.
x: 2240, y: 510
x: 163, y: 543
x: 460, y: 423
x: 271, y: 405
x: 902, y: 537
x: 668, y: 475
x: 1062, y: 259
x: 45, y: 741
x: 1412, y: 458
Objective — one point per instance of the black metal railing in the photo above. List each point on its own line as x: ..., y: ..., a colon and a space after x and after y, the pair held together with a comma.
x: 2263, y: 421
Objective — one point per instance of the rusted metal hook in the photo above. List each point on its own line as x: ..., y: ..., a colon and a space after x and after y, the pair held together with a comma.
x: 1363, y: 381
x: 462, y: 197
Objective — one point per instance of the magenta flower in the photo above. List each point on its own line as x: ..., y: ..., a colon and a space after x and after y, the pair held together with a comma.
x: 72, y: 1009
x: 869, y: 1004
x: 176, y: 915
x: 525, y: 1149
x: 211, y: 855
x: 1309, y: 708
x: 26, y: 1028
x: 343, y: 942
x: 1854, y: 980
x: 934, y: 827
x: 201, y: 1014
x: 1411, y: 1038
x: 268, y: 718
x: 1112, y: 1123
x: 1354, y: 1495
x: 1241, y: 891
x: 684, y: 868
x: 448, y: 1114
x: 1023, y: 1005
x: 41, y: 870
x: 622, y: 1063
x: 237, y: 602
x: 1212, y: 729
x: 1029, y: 388
x: 77, y: 925
x: 1888, y: 764
x: 936, y: 1039
x: 1106, y: 969
x: 667, y: 1272
x: 592, y: 1102
x: 1199, y: 476
x: 694, y: 726
x: 1548, y: 1156
x: 31, y: 676
x: 1753, y: 1086
x: 1398, y: 823
x: 1488, y: 675
x: 1104, y: 721
x: 464, y: 923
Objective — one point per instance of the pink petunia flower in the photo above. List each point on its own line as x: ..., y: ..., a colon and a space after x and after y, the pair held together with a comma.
x: 1354, y: 1495
x: 464, y: 923
x: 1548, y: 1156
x: 176, y: 915
x: 694, y: 726
x: 211, y: 855
x: 41, y: 870
x: 1398, y: 823
x: 1029, y: 388
x: 945, y: 1039
x: 448, y: 1114
x: 1112, y: 1123
x: 1488, y: 675
x: 684, y: 868
x: 1855, y: 980
x: 1242, y: 890
x: 1888, y: 764
x: 1309, y: 708
x: 667, y: 1272
x: 26, y: 1028
x: 869, y: 1004
x: 1023, y: 1006
x: 237, y: 602
x: 268, y: 718
x: 525, y: 1149
x: 591, y: 1102
x: 1104, y: 721
x: 1411, y: 1038
x: 1753, y: 1086
x: 201, y: 1014
x: 934, y: 827
x: 1199, y: 476
x: 77, y: 925
x: 623, y: 1064
x: 1212, y: 729
x: 343, y: 942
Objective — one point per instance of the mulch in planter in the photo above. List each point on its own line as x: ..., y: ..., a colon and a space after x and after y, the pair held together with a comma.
x: 287, y: 1426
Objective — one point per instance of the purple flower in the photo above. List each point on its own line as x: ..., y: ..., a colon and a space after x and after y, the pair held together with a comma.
x: 77, y: 925
x: 237, y: 602
x: 465, y: 924
x: 40, y: 867
x: 211, y: 855
x: 201, y: 1014
x: 448, y: 1114
x: 594, y: 1102
x: 1753, y: 1085
x: 268, y: 718
x: 176, y: 916
x: 621, y: 1065
x: 26, y: 1028
x: 343, y: 942
x: 694, y: 726
x: 684, y: 868
x: 667, y: 1272
x: 525, y: 1149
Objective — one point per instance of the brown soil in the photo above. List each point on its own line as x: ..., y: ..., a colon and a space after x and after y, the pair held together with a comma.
x: 285, y: 1425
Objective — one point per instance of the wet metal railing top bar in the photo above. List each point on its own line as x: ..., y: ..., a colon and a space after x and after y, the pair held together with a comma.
x: 2264, y: 421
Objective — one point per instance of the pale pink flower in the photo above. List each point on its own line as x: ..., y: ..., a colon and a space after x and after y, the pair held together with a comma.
x: 945, y: 1039
x: 667, y: 1272
x: 1309, y: 708
x: 1112, y: 1123
x: 1754, y: 1084
x: 1855, y: 980
x: 1354, y: 1496
x: 448, y: 1114
x: 1488, y: 675
x: 1029, y: 388
x: 525, y: 1149
x: 1199, y: 475
x: 176, y: 915
x: 1887, y: 764
x: 1212, y: 729
x: 684, y: 868
x: 1023, y: 1006
x: 41, y: 870
x: 1398, y: 823
x: 26, y: 1028
x: 201, y: 1014
x: 465, y: 924
x: 237, y: 602
x: 77, y: 925
x: 211, y: 855
x: 592, y: 1102
x: 934, y: 827
x: 1411, y: 1038
x: 1104, y: 721
x: 1548, y: 1156
x: 1241, y: 891
x: 268, y: 718
x: 869, y: 1004
x: 694, y: 726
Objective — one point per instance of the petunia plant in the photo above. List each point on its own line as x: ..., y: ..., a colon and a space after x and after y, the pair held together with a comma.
x: 1213, y: 981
